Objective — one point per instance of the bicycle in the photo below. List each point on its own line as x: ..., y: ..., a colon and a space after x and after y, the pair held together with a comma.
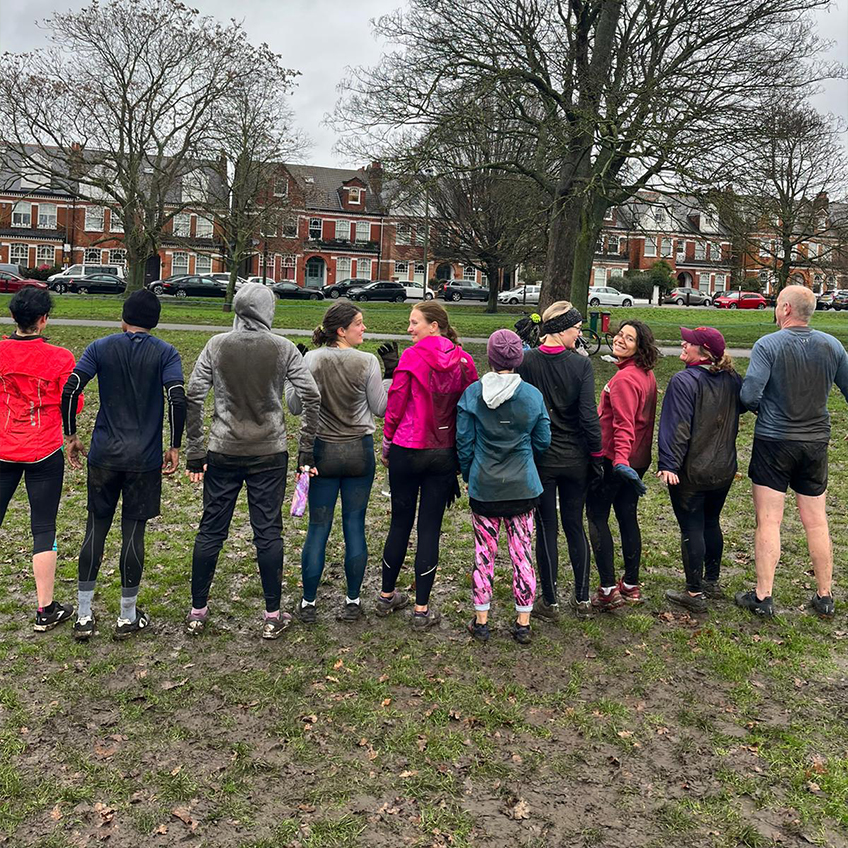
x: 588, y: 342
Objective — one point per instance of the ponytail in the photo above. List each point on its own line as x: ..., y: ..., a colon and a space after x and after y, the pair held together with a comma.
x: 339, y: 316
x: 723, y: 364
x: 434, y: 312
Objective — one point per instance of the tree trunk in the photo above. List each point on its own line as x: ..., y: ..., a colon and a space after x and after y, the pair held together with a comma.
x: 492, y: 278
x: 560, y: 254
x: 135, y: 275
x: 236, y: 253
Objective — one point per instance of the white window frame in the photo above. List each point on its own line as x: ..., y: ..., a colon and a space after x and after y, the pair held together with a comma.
x: 290, y: 227
x: 117, y: 256
x: 701, y: 251
x: 403, y: 234
x: 419, y: 270
x: 650, y: 245
x: 720, y: 280
x: 94, y: 222
x: 206, y: 259
x: 89, y: 258
x: 344, y: 226
x: 45, y: 254
x: 281, y: 187
x: 289, y: 260
x: 667, y: 247
x: 609, y: 214
x: 469, y: 273
x: 596, y: 274
x: 204, y: 227
x: 342, y: 267
x: 315, y: 224
x: 364, y: 268
x: 115, y: 223
x: 19, y: 250
x: 765, y: 248
x: 194, y: 187
x: 704, y: 283
x: 362, y: 232
x: 402, y: 270
x: 354, y: 194
x: 47, y: 220
x: 181, y: 225
x: 174, y: 265
x: 21, y: 218
x: 715, y: 251
x: 616, y: 273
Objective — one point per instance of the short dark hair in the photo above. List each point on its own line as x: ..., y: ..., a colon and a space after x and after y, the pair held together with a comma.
x: 646, y: 347
x: 28, y: 305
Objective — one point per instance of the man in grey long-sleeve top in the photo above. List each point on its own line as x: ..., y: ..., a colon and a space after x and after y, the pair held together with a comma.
x: 247, y: 369
x: 787, y: 385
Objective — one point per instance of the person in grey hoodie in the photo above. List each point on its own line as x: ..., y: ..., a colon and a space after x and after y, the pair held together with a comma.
x: 501, y: 424
x: 246, y: 369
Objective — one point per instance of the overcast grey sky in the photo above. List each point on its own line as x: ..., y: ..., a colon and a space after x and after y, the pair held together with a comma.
x: 320, y: 38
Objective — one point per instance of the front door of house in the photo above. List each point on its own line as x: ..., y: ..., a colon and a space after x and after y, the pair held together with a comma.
x: 315, y: 272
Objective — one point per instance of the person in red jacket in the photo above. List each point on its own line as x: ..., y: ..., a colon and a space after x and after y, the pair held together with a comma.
x: 419, y: 448
x: 32, y: 374
x: 627, y: 411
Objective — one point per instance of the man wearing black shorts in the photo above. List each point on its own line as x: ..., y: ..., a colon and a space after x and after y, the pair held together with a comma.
x: 135, y: 371
x: 787, y: 384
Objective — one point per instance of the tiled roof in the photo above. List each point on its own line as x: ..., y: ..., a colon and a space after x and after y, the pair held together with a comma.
x: 321, y: 187
x: 22, y: 232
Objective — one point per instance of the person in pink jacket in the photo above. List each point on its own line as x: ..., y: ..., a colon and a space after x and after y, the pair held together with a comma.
x: 419, y: 448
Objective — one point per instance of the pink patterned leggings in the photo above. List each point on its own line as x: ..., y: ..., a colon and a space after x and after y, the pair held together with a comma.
x: 519, y: 534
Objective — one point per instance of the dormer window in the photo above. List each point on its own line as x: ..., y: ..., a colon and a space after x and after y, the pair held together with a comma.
x: 609, y: 213
x: 355, y: 194
x: 281, y: 187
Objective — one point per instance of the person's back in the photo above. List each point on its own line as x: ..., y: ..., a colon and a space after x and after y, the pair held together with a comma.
x: 789, y: 380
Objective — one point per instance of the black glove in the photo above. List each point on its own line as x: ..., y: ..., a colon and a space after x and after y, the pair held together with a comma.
x: 631, y: 477
x: 389, y: 354
x: 305, y: 457
x: 596, y: 473
x: 302, y: 348
x: 455, y: 493
x: 196, y: 465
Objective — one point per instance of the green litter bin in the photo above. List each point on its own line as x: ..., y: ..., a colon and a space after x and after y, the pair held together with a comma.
x: 593, y: 320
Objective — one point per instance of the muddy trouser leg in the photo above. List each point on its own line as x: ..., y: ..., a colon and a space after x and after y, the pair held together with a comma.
x: 91, y: 553
x: 356, y: 492
x: 688, y: 506
x: 44, y: 491
x: 435, y: 489
x: 404, y: 484
x: 519, y: 534
x: 485, y: 549
x: 598, y: 506
x: 266, y: 491
x: 10, y: 477
x: 547, y: 553
x: 221, y: 487
x: 713, y: 537
x: 323, y: 493
x: 131, y: 563
x: 625, y: 504
x: 572, y: 501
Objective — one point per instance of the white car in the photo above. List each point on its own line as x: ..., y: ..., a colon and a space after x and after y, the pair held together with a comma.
x: 76, y: 271
x: 607, y: 296
x: 223, y: 277
x: 521, y: 294
x: 417, y: 292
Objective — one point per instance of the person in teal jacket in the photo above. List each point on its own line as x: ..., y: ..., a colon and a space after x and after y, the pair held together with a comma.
x: 501, y: 423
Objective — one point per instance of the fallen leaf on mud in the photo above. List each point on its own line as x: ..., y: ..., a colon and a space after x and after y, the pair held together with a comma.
x: 661, y: 731
x: 363, y: 742
x: 422, y: 743
x: 311, y: 719
x: 162, y: 829
x: 516, y: 758
x: 405, y: 774
x: 519, y: 811
x: 106, y: 813
x: 183, y: 814
x: 625, y: 734
x: 141, y: 674
x: 24, y: 731
x: 386, y: 701
x: 814, y: 788
x: 56, y: 813
x: 105, y: 752
x: 591, y: 655
x: 819, y: 766
x: 306, y: 808
x: 338, y: 664
x: 614, y: 761
x: 175, y: 771
x: 174, y: 684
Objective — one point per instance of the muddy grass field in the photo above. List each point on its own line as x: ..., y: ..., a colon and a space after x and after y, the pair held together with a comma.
x: 638, y: 728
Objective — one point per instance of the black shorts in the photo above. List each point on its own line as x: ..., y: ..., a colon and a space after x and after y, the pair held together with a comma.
x: 801, y: 466
x: 142, y: 492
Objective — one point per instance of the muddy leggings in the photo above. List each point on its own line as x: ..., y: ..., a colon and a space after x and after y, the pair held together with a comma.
x: 43, y: 481
x: 519, y: 534
x: 131, y: 562
x: 345, y: 468
x: 701, y: 539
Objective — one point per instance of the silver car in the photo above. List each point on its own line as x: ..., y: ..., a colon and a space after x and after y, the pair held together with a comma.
x: 608, y: 296
x: 521, y: 294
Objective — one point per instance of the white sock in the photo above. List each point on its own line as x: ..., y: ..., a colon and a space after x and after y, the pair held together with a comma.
x: 607, y: 589
x: 352, y: 600
x: 628, y: 586
x: 305, y: 603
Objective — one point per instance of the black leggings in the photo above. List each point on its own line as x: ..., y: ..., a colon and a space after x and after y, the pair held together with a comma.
x: 266, y: 489
x: 701, y: 539
x: 433, y: 473
x: 617, y: 494
x: 132, y: 550
x: 570, y: 483
x: 44, y: 489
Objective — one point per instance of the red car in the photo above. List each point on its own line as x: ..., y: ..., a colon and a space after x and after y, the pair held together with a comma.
x: 10, y: 282
x: 740, y: 300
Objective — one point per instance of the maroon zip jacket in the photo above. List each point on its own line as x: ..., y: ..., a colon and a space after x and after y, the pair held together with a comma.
x: 627, y: 411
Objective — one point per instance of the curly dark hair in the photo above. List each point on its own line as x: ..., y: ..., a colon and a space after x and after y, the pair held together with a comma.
x: 646, y: 347
x: 28, y: 305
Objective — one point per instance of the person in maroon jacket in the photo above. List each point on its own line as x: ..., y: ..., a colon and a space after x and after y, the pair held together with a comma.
x: 627, y: 411
x: 32, y: 374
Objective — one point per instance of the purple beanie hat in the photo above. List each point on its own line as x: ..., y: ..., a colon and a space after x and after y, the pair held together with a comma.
x: 504, y: 350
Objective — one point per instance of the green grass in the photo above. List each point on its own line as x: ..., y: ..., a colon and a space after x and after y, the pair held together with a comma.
x: 718, y: 733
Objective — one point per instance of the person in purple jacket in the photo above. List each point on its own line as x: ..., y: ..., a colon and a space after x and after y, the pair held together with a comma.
x: 697, y: 458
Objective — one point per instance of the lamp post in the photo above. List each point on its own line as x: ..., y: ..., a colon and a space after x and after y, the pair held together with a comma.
x: 265, y: 262
x: 426, y: 239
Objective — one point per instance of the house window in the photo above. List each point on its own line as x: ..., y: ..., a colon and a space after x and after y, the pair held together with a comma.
x: 281, y: 187
x: 19, y: 254
x: 118, y: 257
x: 179, y: 264
x: 599, y: 243
x: 343, y: 230
x: 666, y: 247
x: 613, y: 245
x: 765, y: 247
x: 419, y: 272
x: 402, y: 270
x: 203, y: 264
x: 116, y: 225
x: 469, y: 272
x: 315, y: 228
x: 290, y: 228
x: 22, y: 214
x: 194, y: 187
x: 599, y: 277
x: 182, y: 225
x: 650, y: 245
x: 355, y: 195
x: 700, y: 250
x: 94, y: 218
x: 715, y: 252
x: 93, y: 256
x: 404, y: 234
x: 289, y: 264
x: 45, y: 254
x: 609, y: 214
x: 47, y: 216
x: 268, y: 228
x: 660, y: 218
x: 342, y: 267
x: 617, y: 272
x: 363, y: 231
x: 704, y: 282
x: 719, y: 282
x: 204, y: 228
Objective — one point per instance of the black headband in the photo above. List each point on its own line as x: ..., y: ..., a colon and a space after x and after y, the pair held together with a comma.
x: 561, y: 322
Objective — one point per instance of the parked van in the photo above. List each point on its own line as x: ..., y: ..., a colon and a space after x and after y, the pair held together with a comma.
x: 85, y: 271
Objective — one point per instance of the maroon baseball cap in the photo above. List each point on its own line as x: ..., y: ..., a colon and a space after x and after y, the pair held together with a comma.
x: 706, y: 337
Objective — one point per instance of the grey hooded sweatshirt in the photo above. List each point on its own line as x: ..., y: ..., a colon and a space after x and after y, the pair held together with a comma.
x: 247, y: 369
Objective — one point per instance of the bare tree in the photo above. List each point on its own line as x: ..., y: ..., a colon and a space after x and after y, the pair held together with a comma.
x: 120, y: 110
x: 613, y: 95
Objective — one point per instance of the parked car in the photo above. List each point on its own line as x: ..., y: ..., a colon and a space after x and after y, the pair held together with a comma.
x: 415, y: 291
x: 86, y: 271
x: 687, y: 296
x: 342, y: 288
x: 379, y: 290
x: 194, y: 285
x: 158, y: 286
x: 10, y: 282
x: 827, y: 300
x: 12, y: 268
x: 101, y: 283
x: 607, y: 296
x: 841, y: 300
x: 457, y: 290
x: 292, y: 291
x: 521, y: 294
x: 740, y: 300
x: 224, y: 279
x: 265, y: 281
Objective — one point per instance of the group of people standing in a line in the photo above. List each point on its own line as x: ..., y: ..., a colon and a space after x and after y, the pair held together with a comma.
x: 528, y: 438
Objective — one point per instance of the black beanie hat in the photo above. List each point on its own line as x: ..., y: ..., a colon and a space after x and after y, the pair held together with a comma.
x: 141, y: 309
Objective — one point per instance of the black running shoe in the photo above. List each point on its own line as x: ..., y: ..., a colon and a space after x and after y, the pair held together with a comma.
x: 713, y: 590
x: 50, y: 616
x: 425, y: 620
x: 306, y: 614
x: 350, y: 612
x: 125, y: 629
x: 749, y: 601
x: 84, y: 628
x: 696, y: 603
x: 521, y: 633
x: 479, y: 631
x: 543, y: 609
x: 824, y: 606
x: 386, y: 606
